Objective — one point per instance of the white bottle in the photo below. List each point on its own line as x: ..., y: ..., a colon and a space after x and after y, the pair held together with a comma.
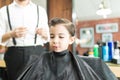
x: 91, y: 53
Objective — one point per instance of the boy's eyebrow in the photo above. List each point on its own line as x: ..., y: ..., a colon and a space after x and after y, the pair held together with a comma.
x: 61, y: 33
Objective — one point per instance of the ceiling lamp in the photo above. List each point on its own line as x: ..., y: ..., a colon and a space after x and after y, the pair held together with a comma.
x: 103, y: 9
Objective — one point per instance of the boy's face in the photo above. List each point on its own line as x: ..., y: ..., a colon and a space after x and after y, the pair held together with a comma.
x: 60, y: 38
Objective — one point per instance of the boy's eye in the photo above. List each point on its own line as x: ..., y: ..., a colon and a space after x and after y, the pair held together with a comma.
x: 51, y: 36
x: 61, y: 37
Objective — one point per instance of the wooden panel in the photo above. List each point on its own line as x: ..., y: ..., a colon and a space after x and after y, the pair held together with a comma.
x: 5, y: 2
x: 59, y: 8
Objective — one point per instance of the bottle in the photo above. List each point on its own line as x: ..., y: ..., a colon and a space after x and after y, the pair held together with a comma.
x: 91, y: 53
x: 116, y: 54
x: 100, y: 44
x: 105, y: 53
x: 95, y: 50
x: 111, y: 49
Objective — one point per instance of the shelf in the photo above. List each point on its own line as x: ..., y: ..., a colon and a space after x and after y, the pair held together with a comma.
x: 115, y: 68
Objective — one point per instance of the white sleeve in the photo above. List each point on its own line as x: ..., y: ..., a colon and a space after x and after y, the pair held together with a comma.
x: 3, y: 23
x: 43, y: 22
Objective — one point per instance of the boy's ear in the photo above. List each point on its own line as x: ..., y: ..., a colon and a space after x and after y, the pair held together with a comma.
x: 72, y: 39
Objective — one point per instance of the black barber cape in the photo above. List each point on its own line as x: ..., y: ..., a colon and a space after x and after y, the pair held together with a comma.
x: 66, y: 66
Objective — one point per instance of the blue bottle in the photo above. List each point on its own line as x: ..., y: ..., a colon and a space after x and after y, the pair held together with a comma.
x: 111, y: 50
x: 105, y: 53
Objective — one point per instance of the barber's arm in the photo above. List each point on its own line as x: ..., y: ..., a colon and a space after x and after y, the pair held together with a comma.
x: 42, y: 32
x: 16, y: 33
x: 7, y: 36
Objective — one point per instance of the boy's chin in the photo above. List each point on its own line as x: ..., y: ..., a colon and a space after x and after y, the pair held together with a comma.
x: 58, y: 50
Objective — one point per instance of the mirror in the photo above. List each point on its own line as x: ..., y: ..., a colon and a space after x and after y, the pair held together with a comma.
x: 84, y: 16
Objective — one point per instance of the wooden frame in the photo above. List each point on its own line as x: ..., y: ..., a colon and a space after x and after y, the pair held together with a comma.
x: 107, y: 28
x: 87, y: 33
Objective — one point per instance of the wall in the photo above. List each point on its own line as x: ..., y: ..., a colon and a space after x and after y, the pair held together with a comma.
x: 97, y: 36
x: 42, y: 3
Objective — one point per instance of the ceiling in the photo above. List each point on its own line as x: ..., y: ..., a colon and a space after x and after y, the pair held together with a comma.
x: 86, y: 9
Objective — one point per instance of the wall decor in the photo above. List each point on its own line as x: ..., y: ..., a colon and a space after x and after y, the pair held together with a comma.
x: 88, y: 34
x: 108, y: 27
x: 106, y: 37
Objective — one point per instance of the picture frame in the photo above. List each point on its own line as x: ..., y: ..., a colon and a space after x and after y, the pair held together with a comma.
x: 107, y: 28
x: 88, y: 34
x: 106, y: 37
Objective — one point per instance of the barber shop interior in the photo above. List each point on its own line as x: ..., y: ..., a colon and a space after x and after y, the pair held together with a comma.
x: 30, y: 26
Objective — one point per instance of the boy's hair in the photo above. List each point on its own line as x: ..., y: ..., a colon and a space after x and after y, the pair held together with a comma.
x: 65, y: 22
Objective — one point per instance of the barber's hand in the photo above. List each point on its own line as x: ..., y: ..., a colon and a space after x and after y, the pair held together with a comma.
x: 42, y: 32
x: 19, y: 32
